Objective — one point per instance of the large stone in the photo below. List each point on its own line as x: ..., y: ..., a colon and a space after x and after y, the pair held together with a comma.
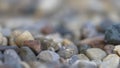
x: 112, y: 34
x: 111, y: 61
x: 12, y: 59
x: 48, y: 56
x: 95, y: 54
x: 26, y: 54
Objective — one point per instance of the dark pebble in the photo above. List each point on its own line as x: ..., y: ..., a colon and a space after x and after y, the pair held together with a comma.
x: 112, y: 34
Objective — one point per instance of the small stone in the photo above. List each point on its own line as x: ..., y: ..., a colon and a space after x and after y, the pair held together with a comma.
x: 23, y: 37
x: 84, y: 64
x: 12, y: 59
x: 75, y: 58
x: 83, y: 47
x: 26, y: 54
x: 82, y: 57
x: 53, y: 40
x: 117, y: 49
x: 111, y: 61
x: 112, y: 34
x: 95, y: 54
x: 34, y: 45
x: 5, y: 41
x: 109, y: 49
x: 68, y: 51
x: 48, y: 56
x: 95, y: 42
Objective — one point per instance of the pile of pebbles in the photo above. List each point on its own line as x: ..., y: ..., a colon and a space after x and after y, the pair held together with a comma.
x: 96, y: 47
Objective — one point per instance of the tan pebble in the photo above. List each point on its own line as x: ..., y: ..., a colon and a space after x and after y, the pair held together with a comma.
x: 117, y: 49
x: 5, y: 41
x: 23, y: 37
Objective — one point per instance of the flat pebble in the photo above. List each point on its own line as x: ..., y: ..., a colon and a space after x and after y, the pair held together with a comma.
x: 96, y: 54
x: 48, y: 56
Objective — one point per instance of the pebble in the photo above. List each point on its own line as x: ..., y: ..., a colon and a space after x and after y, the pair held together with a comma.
x: 48, y: 56
x: 5, y: 41
x: 117, y: 49
x: 26, y: 54
x: 75, y: 58
x: 83, y: 47
x: 95, y: 42
x: 68, y: 51
x: 23, y: 37
x: 49, y: 41
x: 112, y: 34
x: 34, y: 45
x: 96, y: 54
x: 111, y: 61
x: 84, y: 64
x: 12, y: 59
x: 109, y: 49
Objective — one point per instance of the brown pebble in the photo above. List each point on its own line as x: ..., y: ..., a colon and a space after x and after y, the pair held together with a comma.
x: 34, y: 45
x: 109, y: 49
x: 95, y: 42
x: 46, y: 29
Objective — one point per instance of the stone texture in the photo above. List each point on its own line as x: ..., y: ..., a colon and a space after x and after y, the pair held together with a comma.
x: 84, y: 64
x: 5, y: 41
x: 23, y: 37
x: 34, y: 45
x: 111, y: 61
x: 95, y: 54
x: 75, y: 58
x: 68, y: 51
x: 112, y: 34
x: 109, y: 49
x: 83, y: 47
x: 48, y: 56
x: 95, y: 42
x: 26, y: 54
x: 12, y: 59
x: 117, y: 49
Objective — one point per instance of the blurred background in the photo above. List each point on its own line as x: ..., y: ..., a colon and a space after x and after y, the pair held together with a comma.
x: 44, y: 15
